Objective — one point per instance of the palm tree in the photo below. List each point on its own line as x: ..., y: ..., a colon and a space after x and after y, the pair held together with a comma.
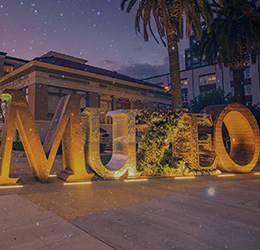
x: 169, y: 17
x: 234, y: 38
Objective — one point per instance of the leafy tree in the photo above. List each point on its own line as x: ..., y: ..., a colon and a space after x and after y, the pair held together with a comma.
x: 233, y: 38
x: 169, y: 20
x: 210, y: 97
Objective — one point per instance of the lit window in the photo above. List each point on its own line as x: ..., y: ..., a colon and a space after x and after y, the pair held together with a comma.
x: 209, y: 79
x: 212, y: 79
x: 248, y: 90
x: 8, y: 68
x: 184, y: 83
x: 247, y: 73
x: 167, y: 88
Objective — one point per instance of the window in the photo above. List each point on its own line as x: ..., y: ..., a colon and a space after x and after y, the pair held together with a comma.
x: 184, y: 96
x: 52, y: 103
x: 123, y: 103
x: 195, y: 61
x: 67, y: 91
x: 247, y: 73
x: 188, y: 59
x: 53, y: 89
x: 209, y: 79
x: 8, y: 68
x: 26, y: 92
x: 106, y: 104
x: 203, y: 80
x: 83, y: 101
x: 212, y: 79
x: 55, y: 93
x: 184, y: 83
x: 155, y: 105
x: 161, y: 106
x: 231, y: 76
x: 248, y: 90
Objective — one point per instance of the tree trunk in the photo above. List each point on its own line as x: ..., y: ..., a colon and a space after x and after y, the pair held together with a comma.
x: 173, y: 52
x: 239, y: 91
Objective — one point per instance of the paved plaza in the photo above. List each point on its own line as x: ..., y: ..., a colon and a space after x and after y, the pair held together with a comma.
x: 201, y: 213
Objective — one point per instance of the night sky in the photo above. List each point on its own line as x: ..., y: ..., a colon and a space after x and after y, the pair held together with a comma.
x: 96, y: 30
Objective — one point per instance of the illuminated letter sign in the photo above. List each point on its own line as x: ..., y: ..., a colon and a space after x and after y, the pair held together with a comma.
x: 66, y: 125
x: 204, y: 147
x: 123, y: 161
x: 243, y: 133
x: 194, y: 145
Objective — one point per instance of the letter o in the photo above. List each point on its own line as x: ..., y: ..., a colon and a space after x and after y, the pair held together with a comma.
x: 244, y: 137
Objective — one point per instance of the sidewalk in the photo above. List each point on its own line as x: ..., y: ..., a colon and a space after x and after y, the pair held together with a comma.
x: 26, y: 226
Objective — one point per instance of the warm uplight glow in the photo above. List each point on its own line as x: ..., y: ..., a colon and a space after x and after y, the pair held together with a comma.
x: 257, y: 173
x: 135, y: 180
x: 226, y: 175
x: 10, y: 187
x: 184, y: 177
x: 77, y: 183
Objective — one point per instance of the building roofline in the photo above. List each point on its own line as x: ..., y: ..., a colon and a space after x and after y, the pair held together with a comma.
x: 17, y: 59
x: 151, y: 77
x: 101, y: 71
x: 64, y: 56
x: 3, y: 53
x: 32, y: 65
x: 183, y: 70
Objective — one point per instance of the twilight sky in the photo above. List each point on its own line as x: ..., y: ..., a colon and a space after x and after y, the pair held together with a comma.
x: 96, y: 30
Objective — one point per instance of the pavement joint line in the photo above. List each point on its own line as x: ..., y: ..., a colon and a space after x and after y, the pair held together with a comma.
x: 76, y: 183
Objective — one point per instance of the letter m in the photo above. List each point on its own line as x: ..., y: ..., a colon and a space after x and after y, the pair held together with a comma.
x: 65, y: 127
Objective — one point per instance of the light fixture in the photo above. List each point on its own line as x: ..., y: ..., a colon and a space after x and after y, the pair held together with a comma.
x: 11, y: 186
x: 226, y: 175
x: 135, y: 180
x: 77, y: 183
x: 184, y: 177
x: 52, y: 175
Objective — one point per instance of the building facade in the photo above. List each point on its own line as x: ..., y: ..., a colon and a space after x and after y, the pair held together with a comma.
x: 197, y: 76
x: 46, y: 79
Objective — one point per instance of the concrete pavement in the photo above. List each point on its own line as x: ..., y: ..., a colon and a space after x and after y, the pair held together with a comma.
x: 201, y: 213
x: 25, y: 225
